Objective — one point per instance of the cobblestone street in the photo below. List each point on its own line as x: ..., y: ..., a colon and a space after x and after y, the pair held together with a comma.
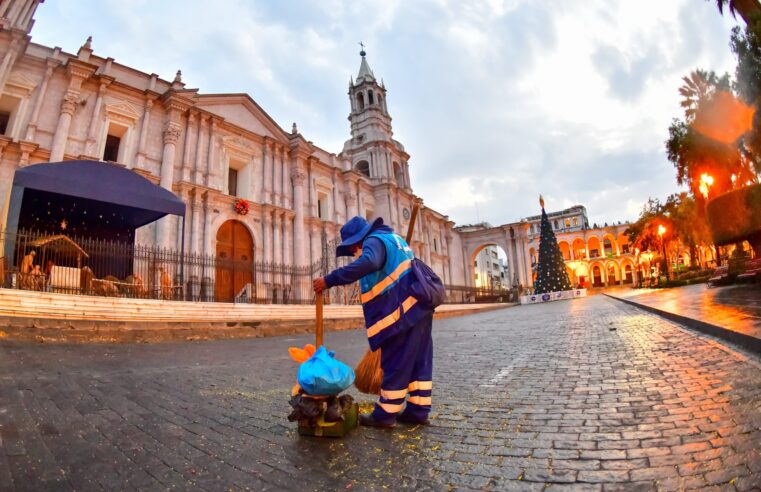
x: 544, y: 397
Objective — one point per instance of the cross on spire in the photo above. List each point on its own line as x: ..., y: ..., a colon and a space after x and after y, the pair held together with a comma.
x: 362, y: 46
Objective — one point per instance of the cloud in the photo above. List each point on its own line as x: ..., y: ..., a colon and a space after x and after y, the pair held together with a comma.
x: 496, y: 101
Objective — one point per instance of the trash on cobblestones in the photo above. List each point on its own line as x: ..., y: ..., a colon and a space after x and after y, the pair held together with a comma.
x: 323, y: 374
x: 317, y: 407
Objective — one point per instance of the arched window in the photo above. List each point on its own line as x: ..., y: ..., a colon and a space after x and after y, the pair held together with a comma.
x: 380, y: 101
x: 370, y: 97
x: 363, y: 167
x: 360, y: 101
x: 398, y: 175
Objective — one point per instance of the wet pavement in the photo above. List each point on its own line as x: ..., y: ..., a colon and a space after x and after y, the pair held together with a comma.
x: 736, y: 308
x: 589, y: 394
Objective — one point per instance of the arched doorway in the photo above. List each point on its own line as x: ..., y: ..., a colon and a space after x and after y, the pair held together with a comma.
x: 613, y: 274
x: 628, y: 274
x: 597, y: 280
x: 235, y: 260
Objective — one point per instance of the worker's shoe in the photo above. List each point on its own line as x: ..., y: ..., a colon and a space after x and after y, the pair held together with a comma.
x: 368, y: 420
x: 409, y: 419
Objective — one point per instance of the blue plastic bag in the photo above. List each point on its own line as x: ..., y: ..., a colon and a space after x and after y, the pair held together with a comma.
x: 322, y: 374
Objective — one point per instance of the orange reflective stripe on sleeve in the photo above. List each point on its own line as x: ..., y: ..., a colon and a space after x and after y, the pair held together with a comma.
x: 420, y: 385
x: 381, y: 286
x: 393, y: 394
x: 420, y: 400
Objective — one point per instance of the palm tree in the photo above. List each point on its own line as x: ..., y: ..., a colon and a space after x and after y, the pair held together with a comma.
x: 743, y: 7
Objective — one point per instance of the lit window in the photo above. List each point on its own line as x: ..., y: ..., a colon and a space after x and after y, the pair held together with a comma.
x: 575, y: 221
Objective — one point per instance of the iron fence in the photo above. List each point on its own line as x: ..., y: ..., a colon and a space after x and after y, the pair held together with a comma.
x: 34, y: 260
x: 462, y: 294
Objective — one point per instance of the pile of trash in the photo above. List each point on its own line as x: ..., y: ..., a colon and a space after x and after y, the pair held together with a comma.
x: 321, y: 377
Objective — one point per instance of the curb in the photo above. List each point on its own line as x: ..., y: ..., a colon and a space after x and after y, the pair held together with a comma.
x: 746, y: 341
x: 52, y: 330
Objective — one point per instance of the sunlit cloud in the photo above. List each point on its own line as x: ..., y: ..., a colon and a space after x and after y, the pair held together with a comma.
x: 496, y: 101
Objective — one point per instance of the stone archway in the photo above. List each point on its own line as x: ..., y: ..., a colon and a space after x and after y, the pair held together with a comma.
x: 235, y: 260
x: 490, y: 267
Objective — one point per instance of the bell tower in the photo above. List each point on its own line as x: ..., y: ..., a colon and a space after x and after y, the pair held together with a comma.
x: 372, y: 148
x: 369, y: 116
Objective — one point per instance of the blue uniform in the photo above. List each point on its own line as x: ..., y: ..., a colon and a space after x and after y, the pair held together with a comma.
x: 395, y: 322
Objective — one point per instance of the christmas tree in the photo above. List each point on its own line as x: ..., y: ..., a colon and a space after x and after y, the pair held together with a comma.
x: 551, y: 275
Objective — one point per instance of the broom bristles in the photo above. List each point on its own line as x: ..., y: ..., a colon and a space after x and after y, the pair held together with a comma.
x: 368, y: 374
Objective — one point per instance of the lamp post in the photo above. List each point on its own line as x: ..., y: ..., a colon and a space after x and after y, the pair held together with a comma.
x: 661, y: 232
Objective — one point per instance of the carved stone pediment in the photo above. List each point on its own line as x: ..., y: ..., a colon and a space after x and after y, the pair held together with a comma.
x: 123, y: 110
x: 237, y: 143
x: 20, y: 84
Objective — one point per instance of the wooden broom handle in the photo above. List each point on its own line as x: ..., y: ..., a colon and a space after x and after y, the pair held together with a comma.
x: 411, y: 227
x: 319, y: 328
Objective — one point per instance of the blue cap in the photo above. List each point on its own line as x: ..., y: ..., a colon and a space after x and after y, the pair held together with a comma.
x: 354, y: 232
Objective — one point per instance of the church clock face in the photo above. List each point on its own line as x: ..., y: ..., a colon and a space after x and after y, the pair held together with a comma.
x: 406, y: 214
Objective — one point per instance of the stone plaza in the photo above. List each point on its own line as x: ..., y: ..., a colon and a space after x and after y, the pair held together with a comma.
x: 590, y: 394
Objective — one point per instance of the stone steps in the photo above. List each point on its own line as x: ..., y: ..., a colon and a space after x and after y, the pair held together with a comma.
x: 45, y: 305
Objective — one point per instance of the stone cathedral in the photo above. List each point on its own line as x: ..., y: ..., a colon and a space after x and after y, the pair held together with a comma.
x: 211, y: 150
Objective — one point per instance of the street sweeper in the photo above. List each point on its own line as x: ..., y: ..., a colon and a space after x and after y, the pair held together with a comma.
x: 396, y: 322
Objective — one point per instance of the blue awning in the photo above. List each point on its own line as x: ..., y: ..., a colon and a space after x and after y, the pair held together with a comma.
x: 103, y: 182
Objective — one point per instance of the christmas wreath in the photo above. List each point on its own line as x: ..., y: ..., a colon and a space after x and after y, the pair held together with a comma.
x: 241, y: 206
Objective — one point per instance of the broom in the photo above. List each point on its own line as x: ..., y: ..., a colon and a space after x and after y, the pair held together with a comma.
x: 368, y: 373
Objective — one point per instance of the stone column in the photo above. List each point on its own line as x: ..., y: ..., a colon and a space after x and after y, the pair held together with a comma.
x: 68, y: 105
x: 310, y: 190
x: 267, y: 171
x: 267, y: 235
x: 144, y: 134
x: 8, y: 60
x: 198, y: 172
x: 31, y: 129
x: 195, y: 222
x: 286, y: 180
x: 178, y: 244
x: 211, y: 156
x: 527, y: 261
x: 208, y: 205
x: 287, y: 243
x: 351, y: 204
x: 316, y: 240
x: 92, y: 133
x: 187, y: 166
x: 277, y: 175
x: 335, y: 200
x: 257, y: 176
x: 299, y: 238
x: 277, y: 238
x: 171, y: 134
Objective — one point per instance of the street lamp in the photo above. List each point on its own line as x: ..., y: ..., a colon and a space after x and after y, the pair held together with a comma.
x: 706, y: 181
x: 661, y: 232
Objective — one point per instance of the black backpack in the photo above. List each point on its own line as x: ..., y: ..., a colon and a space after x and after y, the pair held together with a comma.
x: 427, y: 287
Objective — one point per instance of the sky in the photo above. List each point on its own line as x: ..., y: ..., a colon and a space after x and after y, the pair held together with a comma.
x: 496, y: 101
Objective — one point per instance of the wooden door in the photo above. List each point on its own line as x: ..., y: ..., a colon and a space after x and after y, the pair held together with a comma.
x: 235, y: 251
